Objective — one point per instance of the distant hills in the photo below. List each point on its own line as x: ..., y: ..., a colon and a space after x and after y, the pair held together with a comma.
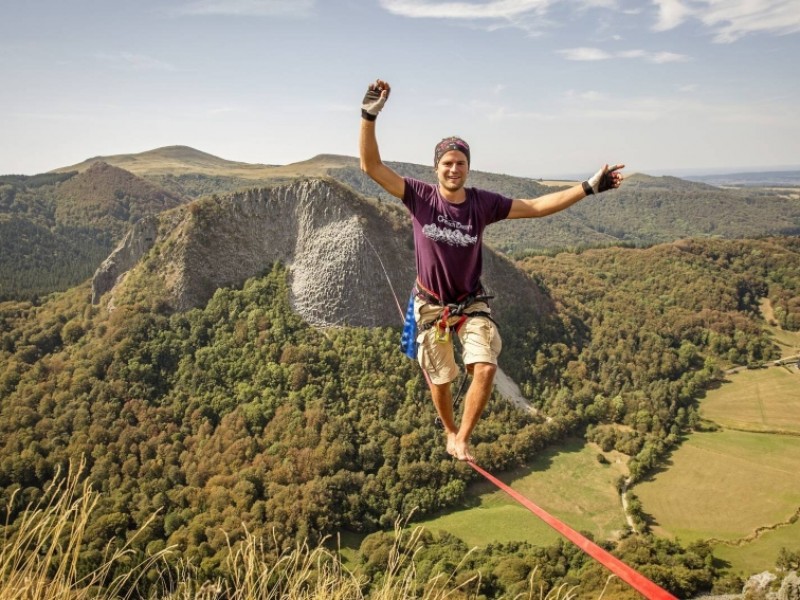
x: 57, y: 227
x: 750, y: 179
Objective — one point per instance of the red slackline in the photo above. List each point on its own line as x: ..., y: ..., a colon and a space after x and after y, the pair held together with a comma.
x: 639, y: 582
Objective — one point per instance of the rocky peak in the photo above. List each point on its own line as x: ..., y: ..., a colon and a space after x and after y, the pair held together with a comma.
x: 346, y: 254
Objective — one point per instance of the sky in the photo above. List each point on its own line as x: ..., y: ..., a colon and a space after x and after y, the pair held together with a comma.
x: 539, y: 88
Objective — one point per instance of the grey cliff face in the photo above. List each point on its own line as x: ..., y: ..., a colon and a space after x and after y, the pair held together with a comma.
x: 139, y: 239
x: 345, y: 254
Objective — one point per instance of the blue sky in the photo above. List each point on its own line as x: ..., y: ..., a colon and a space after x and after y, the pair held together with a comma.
x: 539, y: 88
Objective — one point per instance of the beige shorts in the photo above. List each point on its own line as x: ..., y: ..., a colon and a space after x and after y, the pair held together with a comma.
x: 479, y: 337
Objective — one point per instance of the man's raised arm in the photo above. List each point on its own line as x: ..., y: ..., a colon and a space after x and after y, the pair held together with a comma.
x: 606, y: 178
x: 371, y: 162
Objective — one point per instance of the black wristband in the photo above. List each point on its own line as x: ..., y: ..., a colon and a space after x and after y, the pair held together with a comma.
x: 587, y: 189
x: 368, y: 116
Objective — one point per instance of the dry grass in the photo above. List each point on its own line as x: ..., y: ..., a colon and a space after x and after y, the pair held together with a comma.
x: 40, y: 552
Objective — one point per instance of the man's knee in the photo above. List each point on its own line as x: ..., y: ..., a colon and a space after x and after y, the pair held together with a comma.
x: 483, y: 370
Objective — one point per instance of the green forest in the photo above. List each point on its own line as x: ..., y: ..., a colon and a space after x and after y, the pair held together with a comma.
x: 238, y: 418
x: 56, y: 228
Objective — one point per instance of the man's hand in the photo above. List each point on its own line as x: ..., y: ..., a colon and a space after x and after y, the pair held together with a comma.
x: 376, y: 96
x: 606, y: 178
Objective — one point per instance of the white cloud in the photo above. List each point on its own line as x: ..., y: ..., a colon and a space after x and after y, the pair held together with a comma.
x: 256, y: 8
x: 730, y: 20
x: 495, y: 9
x: 727, y: 20
x: 598, y: 3
x: 671, y: 13
x: 584, y: 53
x: 666, y: 57
x: 595, y: 54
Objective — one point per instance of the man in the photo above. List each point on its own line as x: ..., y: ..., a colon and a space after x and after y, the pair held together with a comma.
x: 448, y: 221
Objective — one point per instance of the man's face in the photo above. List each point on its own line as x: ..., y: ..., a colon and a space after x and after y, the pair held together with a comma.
x: 452, y: 170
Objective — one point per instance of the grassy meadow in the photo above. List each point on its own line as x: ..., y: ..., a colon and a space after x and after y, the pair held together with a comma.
x: 724, y: 485
x: 759, y: 554
x: 787, y: 341
x: 566, y: 481
x: 760, y: 400
x: 740, y: 485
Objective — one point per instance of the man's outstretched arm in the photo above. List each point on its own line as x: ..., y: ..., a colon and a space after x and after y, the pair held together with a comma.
x: 371, y: 162
x: 606, y: 178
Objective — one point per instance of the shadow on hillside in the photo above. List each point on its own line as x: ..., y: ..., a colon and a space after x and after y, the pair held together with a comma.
x: 713, y: 385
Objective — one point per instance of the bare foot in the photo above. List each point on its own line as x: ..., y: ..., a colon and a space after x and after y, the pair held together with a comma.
x: 451, y: 444
x: 461, y: 451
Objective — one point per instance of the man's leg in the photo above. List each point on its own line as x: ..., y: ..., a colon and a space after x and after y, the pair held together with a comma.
x: 443, y: 401
x: 482, y: 346
x: 477, y: 396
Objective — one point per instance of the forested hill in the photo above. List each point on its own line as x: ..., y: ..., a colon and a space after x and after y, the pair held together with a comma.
x: 787, y: 179
x: 56, y: 228
x: 237, y: 413
x: 110, y: 199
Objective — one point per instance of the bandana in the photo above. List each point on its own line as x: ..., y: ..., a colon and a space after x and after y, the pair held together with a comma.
x: 447, y: 144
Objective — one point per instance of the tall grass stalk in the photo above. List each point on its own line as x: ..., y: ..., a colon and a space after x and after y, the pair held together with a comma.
x: 41, y: 550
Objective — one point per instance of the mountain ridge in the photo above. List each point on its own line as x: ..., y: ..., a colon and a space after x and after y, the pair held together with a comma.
x: 646, y: 210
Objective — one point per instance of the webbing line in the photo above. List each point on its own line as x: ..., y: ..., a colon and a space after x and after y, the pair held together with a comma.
x: 386, y: 274
x: 639, y: 582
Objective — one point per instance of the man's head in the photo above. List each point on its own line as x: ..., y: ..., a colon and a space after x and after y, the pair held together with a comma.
x: 451, y: 163
x: 447, y: 144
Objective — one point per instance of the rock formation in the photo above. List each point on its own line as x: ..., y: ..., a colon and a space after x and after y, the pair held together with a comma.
x: 346, y: 254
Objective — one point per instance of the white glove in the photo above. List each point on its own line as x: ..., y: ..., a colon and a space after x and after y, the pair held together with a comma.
x: 605, y: 179
x: 376, y: 96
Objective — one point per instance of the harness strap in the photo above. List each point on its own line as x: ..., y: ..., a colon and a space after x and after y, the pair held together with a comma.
x: 453, y: 309
x: 457, y: 325
x: 464, y: 301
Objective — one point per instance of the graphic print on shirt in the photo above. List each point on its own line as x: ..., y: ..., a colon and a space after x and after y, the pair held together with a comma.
x: 452, y: 236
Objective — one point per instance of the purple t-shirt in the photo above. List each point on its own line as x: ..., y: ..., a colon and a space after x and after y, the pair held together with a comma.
x: 448, y: 237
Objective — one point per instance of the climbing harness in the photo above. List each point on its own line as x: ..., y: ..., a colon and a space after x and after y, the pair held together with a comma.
x: 451, y: 310
x: 443, y: 324
x: 636, y: 580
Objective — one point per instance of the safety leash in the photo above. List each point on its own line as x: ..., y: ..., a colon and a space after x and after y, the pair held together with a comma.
x: 636, y: 580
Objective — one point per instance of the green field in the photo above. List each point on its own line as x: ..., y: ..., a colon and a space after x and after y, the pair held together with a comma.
x: 760, y: 554
x: 757, y: 400
x: 730, y: 484
x: 724, y: 485
x: 566, y: 481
